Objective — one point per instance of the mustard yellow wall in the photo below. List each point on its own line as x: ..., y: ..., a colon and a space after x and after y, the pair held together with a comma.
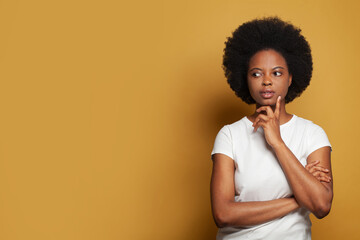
x: 109, y: 110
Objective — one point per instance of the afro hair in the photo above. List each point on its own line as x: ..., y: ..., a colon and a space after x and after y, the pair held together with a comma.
x: 262, y: 34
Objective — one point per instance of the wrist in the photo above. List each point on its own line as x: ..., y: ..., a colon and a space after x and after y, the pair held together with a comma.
x: 278, y: 145
x: 295, y: 203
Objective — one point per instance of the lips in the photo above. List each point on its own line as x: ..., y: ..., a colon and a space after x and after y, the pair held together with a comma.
x: 267, y: 93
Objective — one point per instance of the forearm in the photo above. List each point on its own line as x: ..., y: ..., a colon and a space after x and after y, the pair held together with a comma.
x: 308, y: 191
x: 242, y: 214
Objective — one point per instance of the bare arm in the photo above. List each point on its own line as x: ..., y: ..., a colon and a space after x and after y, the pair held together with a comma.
x: 308, y: 191
x: 227, y: 212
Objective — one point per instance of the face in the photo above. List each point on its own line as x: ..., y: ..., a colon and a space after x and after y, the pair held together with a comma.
x: 268, y: 77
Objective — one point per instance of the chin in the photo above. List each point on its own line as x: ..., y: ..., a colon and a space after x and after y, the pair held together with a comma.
x: 267, y: 102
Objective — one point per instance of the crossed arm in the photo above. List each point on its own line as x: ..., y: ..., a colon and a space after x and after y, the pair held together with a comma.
x: 312, y: 186
x: 227, y: 212
x: 308, y: 191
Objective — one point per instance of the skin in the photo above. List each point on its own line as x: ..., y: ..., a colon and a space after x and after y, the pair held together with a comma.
x: 312, y: 186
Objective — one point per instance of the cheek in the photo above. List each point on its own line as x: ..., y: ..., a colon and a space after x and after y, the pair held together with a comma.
x: 252, y: 86
x: 285, y: 87
x: 251, y: 82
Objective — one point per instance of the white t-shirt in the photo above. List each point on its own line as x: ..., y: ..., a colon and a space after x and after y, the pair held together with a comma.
x: 259, y: 176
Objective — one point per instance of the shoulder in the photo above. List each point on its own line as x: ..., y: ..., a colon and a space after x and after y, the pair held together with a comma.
x: 307, y: 125
x: 229, y: 136
x: 315, y: 135
x: 240, y: 124
x: 233, y: 130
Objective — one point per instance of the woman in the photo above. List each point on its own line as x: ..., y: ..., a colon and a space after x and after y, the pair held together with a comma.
x: 272, y: 168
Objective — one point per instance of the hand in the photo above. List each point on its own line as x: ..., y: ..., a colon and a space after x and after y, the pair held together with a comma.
x: 318, y: 172
x: 270, y: 123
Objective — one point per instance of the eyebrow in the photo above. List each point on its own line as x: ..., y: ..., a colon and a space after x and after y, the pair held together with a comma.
x: 261, y: 69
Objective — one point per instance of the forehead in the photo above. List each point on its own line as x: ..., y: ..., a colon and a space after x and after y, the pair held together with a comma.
x: 267, y: 59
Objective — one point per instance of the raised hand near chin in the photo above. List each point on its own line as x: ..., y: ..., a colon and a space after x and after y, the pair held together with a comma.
x: 270, y: 123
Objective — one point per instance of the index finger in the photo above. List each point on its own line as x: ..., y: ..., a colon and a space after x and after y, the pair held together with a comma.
x: 277, y: 108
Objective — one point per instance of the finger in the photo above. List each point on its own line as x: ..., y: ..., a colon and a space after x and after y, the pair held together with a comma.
x: 324, y: 179
x: 311, y: 164
x: 321, y: 169
x: 267, y: 109
x: 318, y: 169
x: 311, y: 170
x: 321, y: 175
x: 259, y: 118
x: 258, y: 124
x: 262, y: 117
x: 277, y: 108
x: 317, y: 174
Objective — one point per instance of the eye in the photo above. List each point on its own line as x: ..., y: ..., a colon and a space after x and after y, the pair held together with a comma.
x: 256, y: 74
x: 277, y: 74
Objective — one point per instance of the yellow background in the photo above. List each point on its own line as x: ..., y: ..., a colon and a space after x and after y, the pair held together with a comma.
x: 109, y: 111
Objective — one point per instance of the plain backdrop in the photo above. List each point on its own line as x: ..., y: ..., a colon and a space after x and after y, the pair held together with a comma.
x: 109, y: 111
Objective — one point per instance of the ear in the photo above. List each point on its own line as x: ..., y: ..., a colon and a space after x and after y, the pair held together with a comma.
x: 290, y: 80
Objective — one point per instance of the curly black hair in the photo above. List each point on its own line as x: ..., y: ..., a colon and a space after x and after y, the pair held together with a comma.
x: 262, y: 34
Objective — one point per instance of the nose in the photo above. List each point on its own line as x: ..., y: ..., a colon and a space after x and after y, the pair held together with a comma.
x: 267, y: 81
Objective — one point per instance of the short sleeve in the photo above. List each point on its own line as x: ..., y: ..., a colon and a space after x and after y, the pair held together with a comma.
x: 317, y: 138
x: 223, y: 143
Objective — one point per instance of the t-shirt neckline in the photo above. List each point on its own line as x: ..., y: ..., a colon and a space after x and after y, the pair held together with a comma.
x: 281, y: 126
